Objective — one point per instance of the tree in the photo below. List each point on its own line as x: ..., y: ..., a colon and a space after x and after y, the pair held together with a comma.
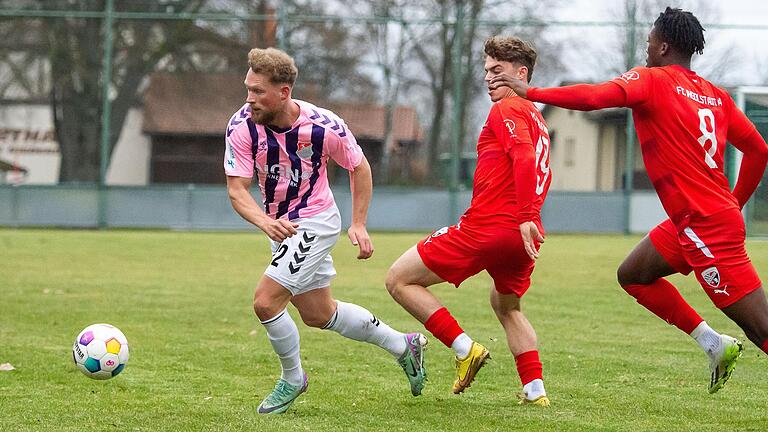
x: 432, y: 58
x: 77, y: 82
x: 629, y: 42
x: 67, y: 54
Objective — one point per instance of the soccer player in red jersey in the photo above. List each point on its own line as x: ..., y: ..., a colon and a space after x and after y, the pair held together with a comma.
x: 683, y: 122
x: 500, y: 232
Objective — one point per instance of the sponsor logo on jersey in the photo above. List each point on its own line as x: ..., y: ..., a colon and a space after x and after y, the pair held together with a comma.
x: 230, y: 155
x: 630, y: 76
x: 277, y: 171
x: 510, y: 127
x: 711, y: 276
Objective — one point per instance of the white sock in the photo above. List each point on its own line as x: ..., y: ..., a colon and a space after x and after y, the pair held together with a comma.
x: 461, y: 345
x: 357, y: 323
x: 284, y: 337
x: 708, y: 339
x: 534, y: 389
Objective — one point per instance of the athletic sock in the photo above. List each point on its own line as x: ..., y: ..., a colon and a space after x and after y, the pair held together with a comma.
x: 444, y: 327
x: 531, y: 374
x: 284, y: 337
x: 765, y: 346
x: 708, y: 339
x: 534, y: 389
x: 357, y: 323
x: 663, y: 299
x: 462, y: 345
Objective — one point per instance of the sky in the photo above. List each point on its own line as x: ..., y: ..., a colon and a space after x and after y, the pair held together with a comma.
x: 748, y: 64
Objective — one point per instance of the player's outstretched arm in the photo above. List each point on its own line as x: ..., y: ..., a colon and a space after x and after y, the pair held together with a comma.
x: 582, y: 97
x: 361, y: 185
x: 244, y: 204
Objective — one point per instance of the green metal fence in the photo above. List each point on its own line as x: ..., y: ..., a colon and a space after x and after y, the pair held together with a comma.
x: 424, y: 54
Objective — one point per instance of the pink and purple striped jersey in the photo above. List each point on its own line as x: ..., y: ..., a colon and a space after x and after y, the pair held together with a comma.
x: 291, y: 164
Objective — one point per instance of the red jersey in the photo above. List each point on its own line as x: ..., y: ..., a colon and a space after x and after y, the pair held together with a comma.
x: 682, y: 123
x: 512, y: 175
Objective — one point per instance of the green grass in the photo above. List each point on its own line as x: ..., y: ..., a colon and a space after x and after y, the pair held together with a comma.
x: 201, y: 361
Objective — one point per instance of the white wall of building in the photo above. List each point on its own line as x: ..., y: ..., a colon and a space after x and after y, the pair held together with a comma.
x: 27, y: 139
x: 574, y: 153
x: 131, y: 157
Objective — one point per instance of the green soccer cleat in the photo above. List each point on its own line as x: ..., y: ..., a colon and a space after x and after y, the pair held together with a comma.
x: 412, y: 361
x: 282, y: 397
x: 722, y: 367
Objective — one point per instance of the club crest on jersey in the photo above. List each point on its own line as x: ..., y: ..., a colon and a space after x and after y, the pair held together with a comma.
x: 262, y: 146
x: 630, y: 76
x: 304, y: 150
x: 510, y: 126
x: 711, y: 276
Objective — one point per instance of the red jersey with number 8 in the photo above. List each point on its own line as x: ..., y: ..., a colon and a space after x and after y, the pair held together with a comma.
x: 683, y: 122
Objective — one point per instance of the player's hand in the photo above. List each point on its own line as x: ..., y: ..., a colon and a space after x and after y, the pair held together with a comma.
x: 358, y: 235
x: 503, y: 80
x: 278, y: 229
x: 531, y: 236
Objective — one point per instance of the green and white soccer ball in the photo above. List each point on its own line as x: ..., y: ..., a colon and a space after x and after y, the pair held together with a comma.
x: 100, y: 351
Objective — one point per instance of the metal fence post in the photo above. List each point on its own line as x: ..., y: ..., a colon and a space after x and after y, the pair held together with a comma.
x: 106, y: 111
x: 15, y: 206
x: 630, y: 156
x: 456, y: 124
x: 190, y: 193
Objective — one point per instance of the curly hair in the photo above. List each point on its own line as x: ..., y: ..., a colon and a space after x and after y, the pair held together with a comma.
x: 513, y: 50
x: 682, y: 30
x: 275, y: 64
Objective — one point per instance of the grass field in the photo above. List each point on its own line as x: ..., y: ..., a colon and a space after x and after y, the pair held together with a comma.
x: 201, y: 361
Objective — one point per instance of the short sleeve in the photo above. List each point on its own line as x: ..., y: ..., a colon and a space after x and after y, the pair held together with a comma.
x: 238, y: 157
x: 342, y: 147
x: 637, y: 84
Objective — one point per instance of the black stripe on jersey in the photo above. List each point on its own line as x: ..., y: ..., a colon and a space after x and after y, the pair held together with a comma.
x: 294, y: 177
x: 318, y: 136
x: 273, y: 160
x: 254, y: 140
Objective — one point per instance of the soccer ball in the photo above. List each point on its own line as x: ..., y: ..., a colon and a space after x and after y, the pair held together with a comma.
x: 100, y: 351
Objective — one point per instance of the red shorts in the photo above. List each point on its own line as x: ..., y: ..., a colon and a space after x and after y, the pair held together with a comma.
x: 713, y: 248
x: 457, y: 252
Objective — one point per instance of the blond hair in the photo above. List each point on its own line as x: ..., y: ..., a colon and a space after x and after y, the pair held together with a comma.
x: 513, y: 50
x: 275, y: 64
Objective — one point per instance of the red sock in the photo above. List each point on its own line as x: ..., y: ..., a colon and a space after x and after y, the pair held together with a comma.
x: 443, y: 326
x: 663, y: 299
x: 765, y: 346
x: 528, y: 366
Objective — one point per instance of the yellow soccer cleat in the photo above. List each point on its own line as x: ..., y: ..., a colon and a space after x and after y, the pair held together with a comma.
x: 542, y: 401
x: 467, y: 368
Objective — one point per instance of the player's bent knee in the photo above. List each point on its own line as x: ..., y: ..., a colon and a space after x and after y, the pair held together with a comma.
x: 264, y: 308
x: 393, y: 282
x: 314, y: 320
x: 628, y: 275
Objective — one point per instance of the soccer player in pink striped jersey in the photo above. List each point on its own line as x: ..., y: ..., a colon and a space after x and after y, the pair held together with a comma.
x: 286, y: 143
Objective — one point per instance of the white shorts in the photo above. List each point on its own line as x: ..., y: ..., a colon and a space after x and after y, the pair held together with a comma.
x: 303, y: 262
